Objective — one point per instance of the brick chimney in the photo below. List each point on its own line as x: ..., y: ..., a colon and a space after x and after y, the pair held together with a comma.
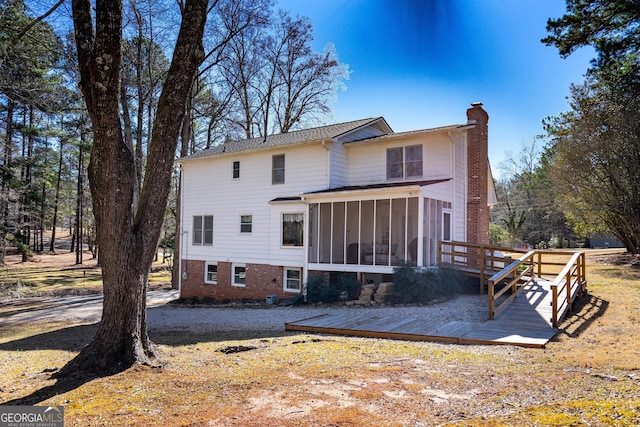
x: 477, y: 175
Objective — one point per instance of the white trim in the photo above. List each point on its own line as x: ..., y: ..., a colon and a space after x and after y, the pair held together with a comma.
x: 206, y: 272
x: 304, y: 229
x: 246, y: 223
x: 233, y: 275
x: 233, y: 178
x: 447, y: 211
x: 284, y: 279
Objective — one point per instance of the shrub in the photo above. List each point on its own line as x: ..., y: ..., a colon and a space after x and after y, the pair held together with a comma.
x: 314, y: 289
x: 318, y: 290
x: 329, y: 294
x: 350, y: 286
x: 421, y: 286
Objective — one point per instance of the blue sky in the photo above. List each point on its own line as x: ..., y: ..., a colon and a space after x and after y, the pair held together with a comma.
x: 421, y: 63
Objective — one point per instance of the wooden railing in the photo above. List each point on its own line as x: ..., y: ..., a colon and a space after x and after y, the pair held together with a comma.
x: 497, y: 264
x: 570, y: 284
x: 481, y: 261
x: 514, y: 276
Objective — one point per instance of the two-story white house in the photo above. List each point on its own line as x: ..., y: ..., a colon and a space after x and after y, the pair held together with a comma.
x: 260, y: 216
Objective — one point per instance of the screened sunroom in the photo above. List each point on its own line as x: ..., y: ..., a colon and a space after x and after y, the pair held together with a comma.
x: 374, y: 231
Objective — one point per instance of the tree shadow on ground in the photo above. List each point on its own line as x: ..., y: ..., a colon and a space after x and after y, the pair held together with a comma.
x: 586, y: 310
x: 177, y: 338
x: 61, y: 386
x: 74, y: 338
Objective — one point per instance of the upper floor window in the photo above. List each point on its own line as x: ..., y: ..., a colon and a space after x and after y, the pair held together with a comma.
x: 203, y: 230
x: 277, y: 175
x: 246, y: 222
x: 404, y: 162
x: 292, y: 229
x: 236, y: 170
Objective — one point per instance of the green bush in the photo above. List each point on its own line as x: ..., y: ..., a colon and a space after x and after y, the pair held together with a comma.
x: 349, y: 285
x: 329, y: 294
x: 314, y: 289
x: 320, y: 291
x: 421, y: 286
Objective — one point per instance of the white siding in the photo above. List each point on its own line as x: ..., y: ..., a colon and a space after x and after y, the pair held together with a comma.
x: 338, y: 172
x: 441, y: 191
x: 367, y: 162
x: 209, y: 189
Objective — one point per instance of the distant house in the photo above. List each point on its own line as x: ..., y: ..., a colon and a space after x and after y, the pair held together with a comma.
x: 605, y: 241
x: 260, y: 216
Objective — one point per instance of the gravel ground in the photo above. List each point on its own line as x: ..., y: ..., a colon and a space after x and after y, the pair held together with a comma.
x: 471, y: 308
x: 163, y: 316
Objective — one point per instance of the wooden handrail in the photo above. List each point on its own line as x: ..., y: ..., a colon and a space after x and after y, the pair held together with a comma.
x: 517, y: 275
x: 565, y: 289
x: 481, y: 260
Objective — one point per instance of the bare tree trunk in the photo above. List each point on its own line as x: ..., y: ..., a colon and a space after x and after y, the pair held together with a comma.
x: 128, y: 139
x: 128, y: 239
x: 56, y: 201
x: 8, y: 145
x: 184, y: 151
x: 79, y: 196
x: 43, y: 204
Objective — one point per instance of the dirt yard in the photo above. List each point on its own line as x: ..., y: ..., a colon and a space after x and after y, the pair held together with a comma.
x: 589, y: 375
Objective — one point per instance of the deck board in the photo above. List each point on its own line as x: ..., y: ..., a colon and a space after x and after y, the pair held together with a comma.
x: 523, y: 322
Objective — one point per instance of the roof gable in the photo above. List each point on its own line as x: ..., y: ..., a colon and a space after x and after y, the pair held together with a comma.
x: 339, y: 132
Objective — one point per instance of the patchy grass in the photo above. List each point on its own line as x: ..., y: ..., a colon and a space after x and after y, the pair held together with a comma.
x: 589, y: 375
x: 56, y: 274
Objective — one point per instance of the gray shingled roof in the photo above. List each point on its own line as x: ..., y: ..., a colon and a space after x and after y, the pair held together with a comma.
x: 421, y: 183
x: 290, y: 138
x: 382, y: 138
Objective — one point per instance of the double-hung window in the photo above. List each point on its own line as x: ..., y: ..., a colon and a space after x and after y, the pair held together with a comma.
x: 292, y: 279
x: 246, y: 223
x: 239, y: 275
x: 236, y: 170
x: 211, y: 273
x: 203, y: 230
x: 413, y: 161
x: 277, y: 171
x: 404, y: 162
x: 292, y: 229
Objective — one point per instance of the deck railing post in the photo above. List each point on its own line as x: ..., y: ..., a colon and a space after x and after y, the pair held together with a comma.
x: 482, y: 270
x: 583, y: 273
x: 569, y: 302
x: 554, y: 306
x: 490, y: 292
x: 539, y: 264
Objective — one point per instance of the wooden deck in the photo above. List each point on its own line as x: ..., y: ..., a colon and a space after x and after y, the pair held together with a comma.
x: 524, y: 322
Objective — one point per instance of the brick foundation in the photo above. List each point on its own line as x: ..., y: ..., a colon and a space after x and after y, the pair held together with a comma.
x: 261, y: 280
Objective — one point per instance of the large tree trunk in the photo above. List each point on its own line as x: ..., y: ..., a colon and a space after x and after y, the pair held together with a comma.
x: 128, y: 238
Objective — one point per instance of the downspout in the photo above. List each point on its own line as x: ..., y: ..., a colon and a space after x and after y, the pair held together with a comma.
x: 305, y: 268
x: 183, y: 245
x: 420, y: 254
x: 454, y: 184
